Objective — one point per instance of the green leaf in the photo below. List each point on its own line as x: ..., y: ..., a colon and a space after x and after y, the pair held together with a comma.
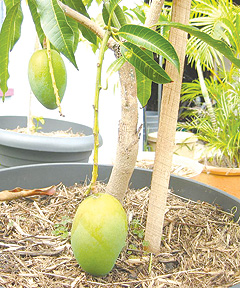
x: 113, y: 5
x: 75, y: 28
x: 109, y: 13
x: 144, y: 86
x: 115, y: 66
x: 145, y: 64
x: 151, y: 40
x: 56, y: 27
x: 139, y: 13
x: 6, y: 40
x: 78, y: 6
x: 220, y: 46
x: 118, y: 18
x: 18, y: 20
x: 36, y: 19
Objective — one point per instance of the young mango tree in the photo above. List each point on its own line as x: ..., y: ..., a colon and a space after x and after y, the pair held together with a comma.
x: 59, y: 23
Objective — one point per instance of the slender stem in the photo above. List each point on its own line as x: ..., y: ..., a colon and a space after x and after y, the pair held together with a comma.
x: 96, y: 107
x: 55, y: 89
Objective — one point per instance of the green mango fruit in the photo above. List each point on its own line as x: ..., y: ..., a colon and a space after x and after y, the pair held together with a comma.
x: 40, y: 78
x: 98, y: 233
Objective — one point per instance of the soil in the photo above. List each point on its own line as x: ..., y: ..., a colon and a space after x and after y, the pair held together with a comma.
x: 200, y: 245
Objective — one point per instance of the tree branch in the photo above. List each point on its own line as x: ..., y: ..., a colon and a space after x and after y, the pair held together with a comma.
x: 91, y: 25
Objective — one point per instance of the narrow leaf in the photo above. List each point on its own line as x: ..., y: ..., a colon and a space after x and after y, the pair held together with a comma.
x: 6, y: 37
x: 144, y: 86
x: 220, y: 46
x: 78, y: 6
x: 113, y: 5
x: 8, y: 195
x: 139, y: 13
x: 151, y: 40
x: 115, y: 66
x: 18, y: 20
x: 118, y: 18
x: 36, y: 19
x: 56, y: 27
x: 145, y: 64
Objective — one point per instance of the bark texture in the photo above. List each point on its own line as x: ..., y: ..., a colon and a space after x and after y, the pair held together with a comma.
x: 154, y: 13
x: 167, y: 130
x: 128, y: 138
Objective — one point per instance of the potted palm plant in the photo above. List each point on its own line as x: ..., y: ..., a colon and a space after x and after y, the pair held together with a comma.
x: 216, y: 121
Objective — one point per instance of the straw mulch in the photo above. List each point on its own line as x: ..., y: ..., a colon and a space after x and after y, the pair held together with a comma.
x: 39, y: 132
x: 200, y: 247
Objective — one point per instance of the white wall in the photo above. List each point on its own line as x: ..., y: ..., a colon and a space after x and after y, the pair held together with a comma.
x: 78, y: 98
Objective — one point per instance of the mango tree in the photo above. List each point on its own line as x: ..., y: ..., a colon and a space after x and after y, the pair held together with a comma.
x: 59, y: 23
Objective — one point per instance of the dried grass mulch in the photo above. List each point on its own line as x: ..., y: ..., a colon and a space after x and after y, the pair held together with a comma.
x: 200, y: 247
x: 58, y: 133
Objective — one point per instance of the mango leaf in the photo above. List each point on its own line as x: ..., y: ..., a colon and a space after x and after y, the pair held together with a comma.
x: 36, y: 19
x: 151, y: 40
x: 56, y: 27
x: 145, y: 64
x: 115, y: 66
x: 118, y: 17
x: 144, y: 85
x: 144, y: 88
x: 139, y: 13
x: 219, y: 45
x: 18, y: 21
x: 6, y: 40
x: 74, y: 25
x: 78, y: 6
x: 113, y: 5
x: 110, y: 6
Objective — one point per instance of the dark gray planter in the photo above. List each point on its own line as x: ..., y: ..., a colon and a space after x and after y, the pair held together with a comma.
x: 35, y: 176
x: 20, y: 149
x: 42, y: 175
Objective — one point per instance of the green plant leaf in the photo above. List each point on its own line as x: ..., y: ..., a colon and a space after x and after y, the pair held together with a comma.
x: 112, y: 5
x: 36, y: 19
x: 118, y: 17
x: 139, y: 13
x: 56, y: 27
x: 115, y: 66
x: 144, y: 86
x: 18, y: 20
x: 145, y: 64
x: 78, y: 6
x: 151, y: 40
x: 220, y: 46
x: 6, y: 40
x: 109, y: 13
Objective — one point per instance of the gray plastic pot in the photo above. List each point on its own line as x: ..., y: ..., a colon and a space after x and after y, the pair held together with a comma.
x: 21, y: 149
x: 42, y: 175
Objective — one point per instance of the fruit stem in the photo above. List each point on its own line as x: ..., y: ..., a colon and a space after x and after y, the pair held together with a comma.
x: 55, y: 89
x: 92, y: 186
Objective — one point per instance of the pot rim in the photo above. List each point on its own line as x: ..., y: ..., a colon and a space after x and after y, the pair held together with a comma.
x: 48, y: 143
x: 221, y: 170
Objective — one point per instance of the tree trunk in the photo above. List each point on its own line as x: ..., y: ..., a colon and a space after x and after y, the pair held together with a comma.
x: 128, y: 137
x: 167, y: 130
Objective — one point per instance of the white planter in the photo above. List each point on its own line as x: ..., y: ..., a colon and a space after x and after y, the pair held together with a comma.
x: 185, y: 143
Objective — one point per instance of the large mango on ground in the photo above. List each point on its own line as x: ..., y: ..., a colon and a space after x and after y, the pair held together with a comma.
x: 98, y: 233
x: 40, y: 78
